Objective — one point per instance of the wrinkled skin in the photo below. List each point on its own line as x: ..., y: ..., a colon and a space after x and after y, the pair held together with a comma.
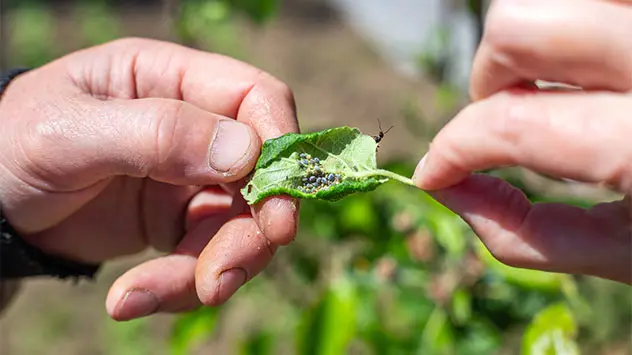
x: 139, y: 143
x: 575, y: 134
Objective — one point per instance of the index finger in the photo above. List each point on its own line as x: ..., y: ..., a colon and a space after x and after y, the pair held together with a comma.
x: 572, y: 135
x: 143, y: 68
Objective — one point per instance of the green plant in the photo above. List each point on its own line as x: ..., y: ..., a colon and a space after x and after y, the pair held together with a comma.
x: 31, y: 42
x: 401, y: 274
x: 209, y: 24
x: 97, y: 21
x: 328, y: 165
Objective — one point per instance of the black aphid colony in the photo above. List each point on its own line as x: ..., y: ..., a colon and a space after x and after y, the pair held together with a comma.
x: 316, y: 177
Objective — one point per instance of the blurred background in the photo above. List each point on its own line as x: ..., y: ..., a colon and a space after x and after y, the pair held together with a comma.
x: 386, y: 272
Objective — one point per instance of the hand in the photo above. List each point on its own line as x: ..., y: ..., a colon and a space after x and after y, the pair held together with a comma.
x: 581, y: 135
x: 140, y: 143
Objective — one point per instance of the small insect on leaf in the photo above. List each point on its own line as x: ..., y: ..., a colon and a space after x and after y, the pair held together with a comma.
x: 327, y: 165
x: 381, y: 134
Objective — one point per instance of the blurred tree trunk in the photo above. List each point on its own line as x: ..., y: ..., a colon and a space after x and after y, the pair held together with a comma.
x: 4, y: 36
x: 478, y: 8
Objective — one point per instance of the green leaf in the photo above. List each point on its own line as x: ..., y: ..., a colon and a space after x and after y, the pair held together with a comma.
x: 438, y: 334
x: 461, y: 306
x: 359, y: 215
x: 259, y: 11
x: 450, y: 234
x: 552, y: 332
x: 328, y: 328
x: 191, y: 329
x: 260, y: 343
x: 479, y: 336
x: 343, y: 156
x: 128, y: 338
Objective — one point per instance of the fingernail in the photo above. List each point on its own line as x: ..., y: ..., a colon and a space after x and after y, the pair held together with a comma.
x: 419, y: 170
x: 275, y: 215
x: 231, y: 143
x: 229, y: 282
x: 136, y: 303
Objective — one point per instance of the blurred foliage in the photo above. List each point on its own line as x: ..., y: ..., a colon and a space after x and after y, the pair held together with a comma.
x: 129, y: 338
x: 32, y: 28
x: 394, y: 272
x: 552, y: 331
x: 192, y: 329
x: 210, y: 24
x: 97, y: 22
x: 387, y: 272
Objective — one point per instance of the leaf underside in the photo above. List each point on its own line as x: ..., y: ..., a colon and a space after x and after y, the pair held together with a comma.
x: 326, y: 165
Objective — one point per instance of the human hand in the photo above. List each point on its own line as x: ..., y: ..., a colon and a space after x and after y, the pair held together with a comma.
x: 141, y: 143
x: 581, y: 135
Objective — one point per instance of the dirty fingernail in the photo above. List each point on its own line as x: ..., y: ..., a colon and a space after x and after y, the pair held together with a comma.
x: 279, y: 219
x: 229, y: 282
x: 136, y: 303
x: 230, y: 145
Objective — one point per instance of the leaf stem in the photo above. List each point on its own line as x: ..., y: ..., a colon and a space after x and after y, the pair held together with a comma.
x: 391, y: 175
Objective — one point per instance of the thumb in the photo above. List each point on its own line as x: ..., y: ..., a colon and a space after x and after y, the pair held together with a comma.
x: 166, y: 140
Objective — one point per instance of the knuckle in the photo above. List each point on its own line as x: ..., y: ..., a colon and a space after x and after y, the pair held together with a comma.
x: 502, y: 15
x: 505, y: 255
x: 508, y: 250
x: 284, y: 90
x: 512, y: 118
x: 277, y: 87
x: 164, y: 133
x: 43, y: 139
x: 41, y: 145
x: 449, y: 147
x: 504, y: 19
x: 504, y: 239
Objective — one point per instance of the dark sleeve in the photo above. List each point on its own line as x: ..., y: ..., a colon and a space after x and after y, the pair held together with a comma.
x: 8, y: 288
x: 5, y: 78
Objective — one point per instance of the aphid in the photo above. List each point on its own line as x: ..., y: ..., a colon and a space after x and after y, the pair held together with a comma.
x: 249, y: 188
x: 304, y: 179
x: 331, y: 177
x: 317, y: 168
x: 302, y: 155
x: 312, y: 178
x: 316, y: 160
x: 304, y: 162
x: 382, y: 133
